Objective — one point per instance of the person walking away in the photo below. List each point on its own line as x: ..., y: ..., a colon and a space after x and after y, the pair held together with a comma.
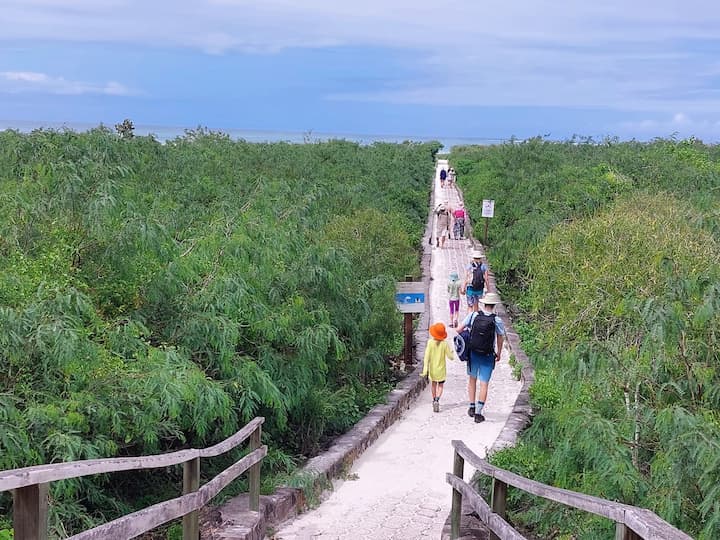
x: 443, y: 176
x: 459, y: 222
x: 437, y: 351
x: 451, y: 176
x: 454, y: 298
x: 487, y: 336
x: 442, y: 223
x: 476, y: 276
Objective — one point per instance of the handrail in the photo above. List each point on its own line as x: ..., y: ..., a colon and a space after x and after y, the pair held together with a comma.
x: 496, y: 523
x: 30, y: 488
x: 148, y: 518
x: 631, y: 522
x: 51, y: 472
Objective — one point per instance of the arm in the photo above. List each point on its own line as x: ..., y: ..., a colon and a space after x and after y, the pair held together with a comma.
x: 467, y: 321
x: 426, y: 359
x: 500, y: 342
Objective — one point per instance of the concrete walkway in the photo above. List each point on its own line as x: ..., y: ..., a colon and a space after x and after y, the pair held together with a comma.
x: 397, y: 488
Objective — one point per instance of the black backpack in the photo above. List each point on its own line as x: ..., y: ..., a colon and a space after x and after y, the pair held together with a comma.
x: 482, y: 333
x: 478, y: 278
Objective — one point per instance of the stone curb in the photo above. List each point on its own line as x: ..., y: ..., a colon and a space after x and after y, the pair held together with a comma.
x: 240, y: 523
x: 471, y: 527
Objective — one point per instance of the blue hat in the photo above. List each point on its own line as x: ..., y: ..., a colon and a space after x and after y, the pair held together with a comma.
x: 454, y: 276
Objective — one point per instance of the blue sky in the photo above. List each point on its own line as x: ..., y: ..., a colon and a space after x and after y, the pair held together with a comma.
x: 459, y: 68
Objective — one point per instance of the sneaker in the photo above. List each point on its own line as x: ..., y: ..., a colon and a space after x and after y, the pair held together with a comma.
x: 436, y: 406
x: 471, y: 411
x: 479, y: 418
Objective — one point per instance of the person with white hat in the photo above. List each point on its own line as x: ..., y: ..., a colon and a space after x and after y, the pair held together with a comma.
x: 476, y: 276
x: 486, y: 339
x: 442, y: 223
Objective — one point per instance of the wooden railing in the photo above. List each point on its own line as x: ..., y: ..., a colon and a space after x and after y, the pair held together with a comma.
x: 631, y: 523
x: 30, y: 488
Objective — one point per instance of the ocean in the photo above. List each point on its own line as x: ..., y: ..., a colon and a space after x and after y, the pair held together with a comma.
x: 165, y: 133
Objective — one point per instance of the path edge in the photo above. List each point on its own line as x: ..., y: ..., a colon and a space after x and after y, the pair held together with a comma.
x: 240, y: 523
x: 519, y: 418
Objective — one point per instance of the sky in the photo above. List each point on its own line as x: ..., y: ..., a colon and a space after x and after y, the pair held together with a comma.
x: 481, y: 69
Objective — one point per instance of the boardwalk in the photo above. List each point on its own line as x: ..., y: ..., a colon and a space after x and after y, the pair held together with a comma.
x: 397, y: 488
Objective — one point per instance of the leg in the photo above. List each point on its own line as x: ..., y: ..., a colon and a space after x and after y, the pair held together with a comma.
x: 439, y: 391
x: 471, y: 393
x: 482, y: 391
x: 472, y: 382
x: 433, y: 388
x: 487, y: 364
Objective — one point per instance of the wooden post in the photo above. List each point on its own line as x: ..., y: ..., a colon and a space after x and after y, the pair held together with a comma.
x: 30, y: 508
x: 623, y: 532
x: 456, y: 509
x: 499, y: 497
x: 486, y: 229
x: 408, y: 329
x: 254, y: 472
x: 191, y: 483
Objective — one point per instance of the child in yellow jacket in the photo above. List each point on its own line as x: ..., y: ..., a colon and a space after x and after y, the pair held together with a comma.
x: 434, y: 366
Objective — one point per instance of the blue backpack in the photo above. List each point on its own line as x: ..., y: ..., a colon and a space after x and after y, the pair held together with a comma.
x: 460, y: 341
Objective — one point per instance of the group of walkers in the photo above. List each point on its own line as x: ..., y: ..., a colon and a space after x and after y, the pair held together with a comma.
x: 479, y: 340
x: 448, y: 219
x: 447, y: 178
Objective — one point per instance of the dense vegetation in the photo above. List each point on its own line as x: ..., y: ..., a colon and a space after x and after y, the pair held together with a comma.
x: 155, y: 296
x: 610, y: 255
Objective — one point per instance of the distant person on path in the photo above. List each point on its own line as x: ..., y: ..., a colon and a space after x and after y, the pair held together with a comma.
x: 476, y: 278
x: 451, y: 176
x: 454, y: 297
x: 487, y: 335
x: 459, y: 222
x: 437, y: 351
x: 442, y: 223
x: 443, y: 176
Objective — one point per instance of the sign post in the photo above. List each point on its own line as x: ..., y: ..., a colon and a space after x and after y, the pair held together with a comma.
x: 409, y: 299
x: 488, y: 211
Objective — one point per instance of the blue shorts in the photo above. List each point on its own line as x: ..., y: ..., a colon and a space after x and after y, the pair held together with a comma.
x: 481, y: 366
x: 472, y: 296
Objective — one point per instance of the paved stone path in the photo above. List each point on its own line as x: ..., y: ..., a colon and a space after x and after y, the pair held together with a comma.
x: 397, y: 488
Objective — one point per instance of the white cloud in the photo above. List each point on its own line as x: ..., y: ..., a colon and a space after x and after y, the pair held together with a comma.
x: 644, y: 55
x: 679, y: 123
x: 29, y: 81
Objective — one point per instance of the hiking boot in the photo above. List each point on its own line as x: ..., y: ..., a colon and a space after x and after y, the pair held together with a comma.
x: 479, y: 418
x: 436, y: 406
x: 471, y: 411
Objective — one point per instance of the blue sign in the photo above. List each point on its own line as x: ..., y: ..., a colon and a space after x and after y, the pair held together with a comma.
x: 410, y: 298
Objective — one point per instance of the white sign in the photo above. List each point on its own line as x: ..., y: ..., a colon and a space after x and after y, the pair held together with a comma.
x: 410, y: 296
x: 488, y: 209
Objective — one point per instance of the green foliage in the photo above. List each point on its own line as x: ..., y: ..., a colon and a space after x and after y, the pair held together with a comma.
x: 610, y: 255
x: 157, y: 296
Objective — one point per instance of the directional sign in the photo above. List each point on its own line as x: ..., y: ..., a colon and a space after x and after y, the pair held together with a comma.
x: 410, y: 296
x: 488, y: 209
